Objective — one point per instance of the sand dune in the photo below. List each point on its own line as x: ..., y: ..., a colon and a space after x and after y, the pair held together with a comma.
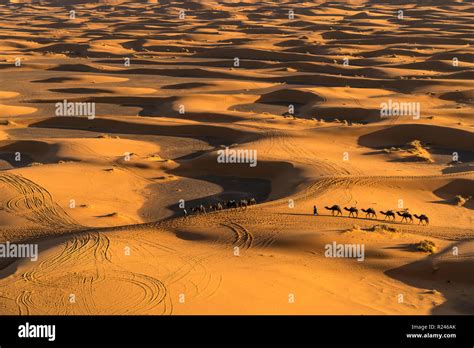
x: 102, y: 196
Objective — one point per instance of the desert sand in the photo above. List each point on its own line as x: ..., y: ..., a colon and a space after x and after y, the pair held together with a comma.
x: 101, y: 196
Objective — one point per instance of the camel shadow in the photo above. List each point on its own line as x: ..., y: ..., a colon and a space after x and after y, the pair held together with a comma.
x: 345, y: 217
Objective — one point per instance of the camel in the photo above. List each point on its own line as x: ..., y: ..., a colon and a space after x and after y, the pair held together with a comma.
x: 370, y: 212
x: 335, y: 208
x: 405, y: 216
x: 199, y: 209
x: 422, y: 218
x: 388, y: 214
x: 353, y: 211
x: 216, y: 207
x: 243, y: 203
x: 231, y: 204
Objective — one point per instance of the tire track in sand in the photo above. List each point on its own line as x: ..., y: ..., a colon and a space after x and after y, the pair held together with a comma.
x: 35, y: 203
x: 299, y: 154
x: 242, y: 237
x: 87, y: 254
x: 153, y: 294
x: 24, y: 302
x: 90, y: 251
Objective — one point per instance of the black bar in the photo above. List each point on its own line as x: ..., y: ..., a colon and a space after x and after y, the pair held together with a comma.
x: 242, y: 330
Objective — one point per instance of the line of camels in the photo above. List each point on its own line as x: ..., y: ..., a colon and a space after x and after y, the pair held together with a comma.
x: 243, y: 204
x: 335, y: 210
x: 389, y: 214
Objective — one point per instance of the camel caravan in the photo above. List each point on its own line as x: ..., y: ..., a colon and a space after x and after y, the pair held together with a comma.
x: 371, y: 214
x: 242, y: 204
x: 336, y: 210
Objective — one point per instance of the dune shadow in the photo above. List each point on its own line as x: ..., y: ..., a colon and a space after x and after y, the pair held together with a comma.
x: 80, y: 90
x: 404, y: 247
x: 191, y: 236
x: 233, y: 188
x: 448, y: 192
x: 23, y: 153
x: 213, y: 135
x: 107, y: 215
x: 8, y: 266
x: 438, y: 136
x: 159, y: 107
x: 464, y: 168
x: 448, y: 276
